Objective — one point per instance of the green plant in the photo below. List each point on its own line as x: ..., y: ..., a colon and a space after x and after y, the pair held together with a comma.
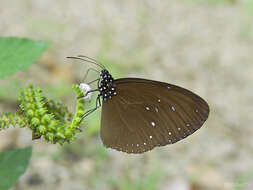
x: 17, y: 54
x: 13, y: 164
x: 46, y: 118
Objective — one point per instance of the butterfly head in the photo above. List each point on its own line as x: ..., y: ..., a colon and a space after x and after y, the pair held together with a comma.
x: 106, y: 77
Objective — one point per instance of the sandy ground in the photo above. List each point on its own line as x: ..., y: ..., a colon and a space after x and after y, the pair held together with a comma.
x: 206, y: 48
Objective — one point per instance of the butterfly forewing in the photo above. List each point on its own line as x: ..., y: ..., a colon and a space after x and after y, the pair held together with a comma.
x: 145, y: 114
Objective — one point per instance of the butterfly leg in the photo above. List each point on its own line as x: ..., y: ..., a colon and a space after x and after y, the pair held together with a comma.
x: 87, y: 72
x: 93, y: 81
x: 98, y: 104
x: 88, y: 93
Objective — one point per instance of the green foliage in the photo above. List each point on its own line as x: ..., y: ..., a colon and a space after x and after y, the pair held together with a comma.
x: 13, y: 163
x: 18, y: 54
x: 14, y: 119
x: 45, y: 117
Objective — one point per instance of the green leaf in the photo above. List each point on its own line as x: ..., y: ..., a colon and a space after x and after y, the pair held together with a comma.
x: 18, y: 54
x: 13, y: 164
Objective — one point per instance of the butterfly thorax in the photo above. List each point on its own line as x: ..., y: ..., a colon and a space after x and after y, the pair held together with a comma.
x: 106, y: 86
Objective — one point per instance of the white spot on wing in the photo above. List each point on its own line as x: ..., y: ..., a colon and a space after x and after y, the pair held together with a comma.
x: 156, y: 109
x: 179, y: 128
x: 153, y: 123
x: 150, y: 137
x: 147, y: 108
x: 159, y: 100
x: 144, y: 143
x: 169, y: 133
x: 173, y: 108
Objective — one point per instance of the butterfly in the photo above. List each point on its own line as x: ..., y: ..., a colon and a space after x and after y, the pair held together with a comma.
x: 140, y: 114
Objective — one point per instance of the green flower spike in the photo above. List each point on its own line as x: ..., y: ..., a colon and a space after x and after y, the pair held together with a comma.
x: 45, y: 117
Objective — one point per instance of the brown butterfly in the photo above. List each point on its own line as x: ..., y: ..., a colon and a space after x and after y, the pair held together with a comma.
x: 140, y: 114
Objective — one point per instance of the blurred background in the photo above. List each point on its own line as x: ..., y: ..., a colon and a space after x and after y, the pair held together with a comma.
x: 205, y: 46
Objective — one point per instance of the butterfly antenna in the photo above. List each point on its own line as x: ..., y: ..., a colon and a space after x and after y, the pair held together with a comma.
x: 94, y: 60
x: 89, y: 60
